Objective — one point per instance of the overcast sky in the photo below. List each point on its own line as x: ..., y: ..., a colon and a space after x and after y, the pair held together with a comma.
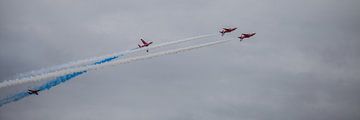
x: 303, y: 64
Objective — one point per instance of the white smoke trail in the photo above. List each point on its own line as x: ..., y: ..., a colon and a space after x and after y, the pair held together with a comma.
x: 94, y: 67
x: 79, y: 63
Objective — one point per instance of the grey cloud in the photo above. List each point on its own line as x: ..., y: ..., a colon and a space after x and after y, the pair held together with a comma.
x: 303, y: 63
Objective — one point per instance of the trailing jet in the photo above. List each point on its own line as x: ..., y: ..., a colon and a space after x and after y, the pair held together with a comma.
x: 33, y: 92
x: 226, y: 30
x: 145, y: 44
x: 246, y: 35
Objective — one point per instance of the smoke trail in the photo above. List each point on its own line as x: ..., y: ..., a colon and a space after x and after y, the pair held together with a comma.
x: 100, y: 64
x: 79, y: 63
x: 94, y: 67
x: 51, y: 83
x: 14, y: 98
x: 64, y: 78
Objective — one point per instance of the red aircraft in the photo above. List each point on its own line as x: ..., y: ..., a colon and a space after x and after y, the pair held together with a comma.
x: 226, y: 30
x: 246, y: 35
x: 145, y: 44
x: 33, y: 92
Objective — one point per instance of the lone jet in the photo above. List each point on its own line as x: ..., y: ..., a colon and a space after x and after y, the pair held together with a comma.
x: 226, y: 30
x: 145, y: 44
x: 33, y: 92
x: 246, y: 35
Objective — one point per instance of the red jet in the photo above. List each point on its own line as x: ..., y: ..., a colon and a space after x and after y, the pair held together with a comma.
x: 33, y: 92
x: 145, y: 44
x: 226, y: 30
x: 246, y: 35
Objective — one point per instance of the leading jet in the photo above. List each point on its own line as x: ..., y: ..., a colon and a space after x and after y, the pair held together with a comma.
x: 246, y: 35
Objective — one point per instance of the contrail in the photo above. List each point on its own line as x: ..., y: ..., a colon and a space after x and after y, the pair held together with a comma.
x: 79, y: 63
x: 94, y: 67
x: 50, y: 84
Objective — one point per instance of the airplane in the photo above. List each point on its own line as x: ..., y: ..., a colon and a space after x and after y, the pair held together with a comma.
x: 33, y: 92
x: 246, y: 35
x: 145, y: 44
x: 226, y: 30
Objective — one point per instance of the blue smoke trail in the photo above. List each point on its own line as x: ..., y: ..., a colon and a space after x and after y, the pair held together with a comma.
x: 51, y: 83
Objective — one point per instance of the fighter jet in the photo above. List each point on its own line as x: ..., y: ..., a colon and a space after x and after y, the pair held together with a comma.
x: 145, y: 44
x: 33, y: 92
x: 246, y: 35
x: 226, y: 30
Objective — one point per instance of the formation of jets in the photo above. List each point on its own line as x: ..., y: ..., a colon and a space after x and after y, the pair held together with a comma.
x: 223, y: 31
x: 146, y: 44
x: 242, y: 36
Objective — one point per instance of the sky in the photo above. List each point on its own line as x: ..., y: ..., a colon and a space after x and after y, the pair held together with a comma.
x: 303, y: 62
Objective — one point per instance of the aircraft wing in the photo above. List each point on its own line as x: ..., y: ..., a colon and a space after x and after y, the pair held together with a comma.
x: 144, y: 42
